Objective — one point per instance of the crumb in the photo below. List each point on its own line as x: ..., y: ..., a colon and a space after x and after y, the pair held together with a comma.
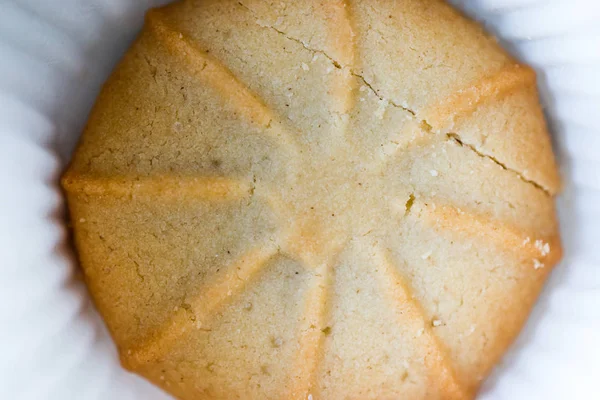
x: 527, y: 240
x: 436, y: 322
x: 425, y: 256
x: 543, y: 248
x: 546, y: 249
x: 537, y: 264
x: 433, y: 172
x: 82, y: 220
x: 305, y: 66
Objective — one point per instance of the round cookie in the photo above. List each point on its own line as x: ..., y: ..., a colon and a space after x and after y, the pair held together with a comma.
x: 315, y: 200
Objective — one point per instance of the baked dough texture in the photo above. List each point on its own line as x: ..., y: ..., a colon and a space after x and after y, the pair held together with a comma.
x: 315, y: 200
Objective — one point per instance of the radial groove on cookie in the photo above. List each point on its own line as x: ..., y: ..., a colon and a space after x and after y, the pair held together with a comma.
x: 341, y: 35
x: 449, y: 218
x: 212, y: 72
x: 436, y: 356
x: 441, y: 116
x: 165, y: 187
x: 201, y: 308
x: 341, y: 54
x: 312, y: 332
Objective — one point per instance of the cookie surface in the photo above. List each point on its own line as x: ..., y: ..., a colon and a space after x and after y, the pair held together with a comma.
x: 326, y: 200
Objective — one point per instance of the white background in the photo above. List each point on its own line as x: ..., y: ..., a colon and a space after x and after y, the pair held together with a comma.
x: 55, y: 54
